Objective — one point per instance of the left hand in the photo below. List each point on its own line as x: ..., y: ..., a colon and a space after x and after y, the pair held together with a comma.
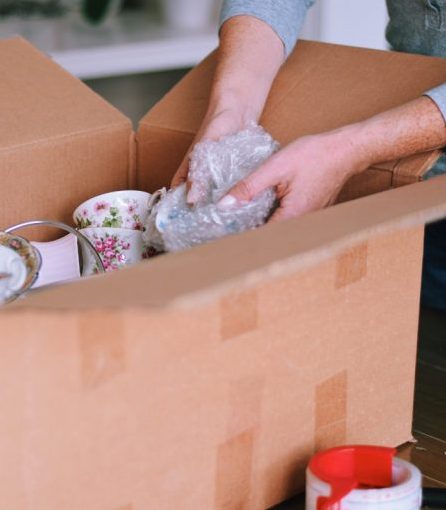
x: 307, y: 174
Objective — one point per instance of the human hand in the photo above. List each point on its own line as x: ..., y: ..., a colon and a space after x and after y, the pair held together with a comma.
x: 216, y: 124
x: 307, y: 174
x: 249, y: 56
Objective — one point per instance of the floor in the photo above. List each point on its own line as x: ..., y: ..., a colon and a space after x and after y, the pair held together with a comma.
x: 429, y: 451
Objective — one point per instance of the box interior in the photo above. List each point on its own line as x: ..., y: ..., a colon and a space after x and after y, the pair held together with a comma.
x: 207, y: 271
x: 80, y: 146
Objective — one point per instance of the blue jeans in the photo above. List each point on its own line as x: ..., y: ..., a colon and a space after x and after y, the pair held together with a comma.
x: 433, y: 289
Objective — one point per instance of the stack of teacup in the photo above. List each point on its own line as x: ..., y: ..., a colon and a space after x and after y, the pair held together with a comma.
x: 114, y: 222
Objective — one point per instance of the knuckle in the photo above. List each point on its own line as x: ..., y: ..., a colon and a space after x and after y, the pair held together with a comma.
x: 178, y: 178
x: 245, y: 190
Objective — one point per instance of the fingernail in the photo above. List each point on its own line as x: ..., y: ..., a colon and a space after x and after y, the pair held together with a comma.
x: 227, y: 202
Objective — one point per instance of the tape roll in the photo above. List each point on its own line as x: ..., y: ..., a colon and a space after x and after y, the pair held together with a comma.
x: 405, y: 492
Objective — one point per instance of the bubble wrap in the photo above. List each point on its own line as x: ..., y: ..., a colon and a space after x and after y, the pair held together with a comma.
x: 215, y: 167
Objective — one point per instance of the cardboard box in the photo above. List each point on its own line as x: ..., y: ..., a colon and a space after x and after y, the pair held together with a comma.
x: 60, y: 143
x: 206, y: 379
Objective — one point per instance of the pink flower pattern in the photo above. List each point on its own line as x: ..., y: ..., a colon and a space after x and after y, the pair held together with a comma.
x: 101, y: 206
x: 111, y: 214
x: 112, y: 251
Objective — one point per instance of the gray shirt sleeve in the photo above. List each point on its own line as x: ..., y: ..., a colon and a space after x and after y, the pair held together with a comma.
x: 438, y: 96
x: 285, y: 17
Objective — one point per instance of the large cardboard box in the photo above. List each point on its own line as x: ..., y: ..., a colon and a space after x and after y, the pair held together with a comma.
x: 206, y: 379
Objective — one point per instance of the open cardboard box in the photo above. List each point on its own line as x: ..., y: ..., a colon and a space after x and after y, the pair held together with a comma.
x: 206, y: 379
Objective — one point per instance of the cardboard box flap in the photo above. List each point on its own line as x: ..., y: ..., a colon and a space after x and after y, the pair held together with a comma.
x: 189, y: 277
x: 183, y: 107
x: 320, y: 87
x: 41, y: 101
x: 324, y: 86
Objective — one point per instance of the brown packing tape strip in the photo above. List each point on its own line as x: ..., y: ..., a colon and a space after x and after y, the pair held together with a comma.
x: 102, y: 348
x: 351, y: 266
x: 233, y: 477
x: 245, y: 404
x: 234, y: 470
x: 330, y: 420
x: 238, y: 314
x: 334, y: 435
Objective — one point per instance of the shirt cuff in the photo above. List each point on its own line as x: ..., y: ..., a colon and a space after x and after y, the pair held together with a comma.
x: 438, y: 96
x: 285, y: 17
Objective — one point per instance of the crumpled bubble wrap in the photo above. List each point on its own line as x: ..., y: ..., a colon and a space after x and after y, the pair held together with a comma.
x: 215, y: 167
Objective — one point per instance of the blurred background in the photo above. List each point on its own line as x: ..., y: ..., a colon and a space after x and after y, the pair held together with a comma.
x: 133, y: 51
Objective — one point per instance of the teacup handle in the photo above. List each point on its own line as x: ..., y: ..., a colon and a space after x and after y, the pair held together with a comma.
x: 57, y: 224
x: 155, y: 197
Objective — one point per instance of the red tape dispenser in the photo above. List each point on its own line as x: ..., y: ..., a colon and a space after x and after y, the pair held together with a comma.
x: 375, y: 476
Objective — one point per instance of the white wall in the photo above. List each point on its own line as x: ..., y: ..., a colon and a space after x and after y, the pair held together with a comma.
x: 351, y: 22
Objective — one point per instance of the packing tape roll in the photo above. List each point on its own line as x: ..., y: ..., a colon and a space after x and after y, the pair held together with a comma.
x: 404, y: 492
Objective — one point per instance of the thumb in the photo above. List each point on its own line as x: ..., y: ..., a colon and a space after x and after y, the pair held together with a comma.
x: 248, y: 188
x: 182, y: 172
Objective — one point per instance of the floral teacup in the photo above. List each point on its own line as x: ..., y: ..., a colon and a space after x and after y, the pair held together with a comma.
x: 117, y: 248
x: 118, y: 209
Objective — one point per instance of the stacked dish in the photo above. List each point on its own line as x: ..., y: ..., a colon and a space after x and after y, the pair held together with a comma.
x: 20, y: 263
x: 114, y: 223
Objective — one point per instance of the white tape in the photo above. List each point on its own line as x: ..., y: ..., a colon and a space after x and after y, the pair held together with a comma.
x: 405, y: 493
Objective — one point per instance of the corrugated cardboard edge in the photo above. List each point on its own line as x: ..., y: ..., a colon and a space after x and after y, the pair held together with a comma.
x: 413, y: 168
x: 132, y: 179
x: 159, y: 154
x: 193, y: 277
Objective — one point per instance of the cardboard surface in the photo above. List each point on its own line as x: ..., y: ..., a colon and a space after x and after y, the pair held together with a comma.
x: 40, y: 101
x: 60, y: 143
x: 219, y: 406
x: 206, y: 379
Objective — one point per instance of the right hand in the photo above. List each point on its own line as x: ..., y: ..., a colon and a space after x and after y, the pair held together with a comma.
x: 216, y: 124
x: 249, y: 56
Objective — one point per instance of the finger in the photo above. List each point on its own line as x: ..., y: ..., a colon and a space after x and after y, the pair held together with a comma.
x: 277, y: 216
x: 287, y: 209
x: 294, y: 205
x: 248, y: 188
x: 282, y: 214
x: 194, y: 194
x: 181, y: 174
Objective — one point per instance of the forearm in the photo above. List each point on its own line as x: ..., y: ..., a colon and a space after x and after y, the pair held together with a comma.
x: 309, y: 173
x: 415, y: 127
x: 249, y: 56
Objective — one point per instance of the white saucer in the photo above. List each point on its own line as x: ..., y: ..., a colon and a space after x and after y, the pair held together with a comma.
x: 29, y: 256
x: 13, y: 273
